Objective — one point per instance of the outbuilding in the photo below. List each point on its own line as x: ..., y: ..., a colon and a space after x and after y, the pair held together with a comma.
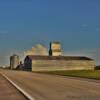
x: 52, y: 63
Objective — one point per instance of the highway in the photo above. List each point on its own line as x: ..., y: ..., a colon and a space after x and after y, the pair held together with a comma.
x: 8, y: 91
x: 52, y: 87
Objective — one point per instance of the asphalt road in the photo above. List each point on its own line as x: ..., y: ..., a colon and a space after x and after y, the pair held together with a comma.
x: 9, y: 92
x: 50, y: 87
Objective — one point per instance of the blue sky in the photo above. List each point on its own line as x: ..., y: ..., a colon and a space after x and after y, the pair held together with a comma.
x: 75, y: 23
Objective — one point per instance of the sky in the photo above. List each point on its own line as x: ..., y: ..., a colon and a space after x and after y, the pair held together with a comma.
x: 74, y: 23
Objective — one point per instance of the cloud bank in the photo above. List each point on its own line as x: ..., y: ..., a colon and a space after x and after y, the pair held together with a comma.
x: 38, y: 49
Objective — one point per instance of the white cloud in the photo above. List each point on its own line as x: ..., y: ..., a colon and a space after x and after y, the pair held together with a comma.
x: 38, y: 49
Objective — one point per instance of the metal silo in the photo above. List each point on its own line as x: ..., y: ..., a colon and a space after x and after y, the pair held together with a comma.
x: 14, y: 61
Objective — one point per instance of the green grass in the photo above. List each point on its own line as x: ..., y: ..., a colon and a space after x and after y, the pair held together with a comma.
x: 93, y: 74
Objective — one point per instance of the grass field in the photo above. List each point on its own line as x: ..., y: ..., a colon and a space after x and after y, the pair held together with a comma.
x: 93, y: 74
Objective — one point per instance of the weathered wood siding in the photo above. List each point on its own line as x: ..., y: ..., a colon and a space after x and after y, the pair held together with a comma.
x: 43, y: 65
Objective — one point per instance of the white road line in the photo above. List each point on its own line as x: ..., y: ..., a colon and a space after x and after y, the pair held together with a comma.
x: 20, y: 89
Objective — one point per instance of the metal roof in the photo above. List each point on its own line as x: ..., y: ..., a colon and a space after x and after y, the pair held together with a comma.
x: 38, y: 57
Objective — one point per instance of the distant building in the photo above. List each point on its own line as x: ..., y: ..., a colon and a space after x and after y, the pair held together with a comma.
x: 20, y: 66
x: 57, y: 62
x: 52, y: 63
x: 55, y: 49
x: 14, y: 61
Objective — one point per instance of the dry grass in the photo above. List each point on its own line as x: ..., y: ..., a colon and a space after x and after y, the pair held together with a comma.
x: 94, y: 74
